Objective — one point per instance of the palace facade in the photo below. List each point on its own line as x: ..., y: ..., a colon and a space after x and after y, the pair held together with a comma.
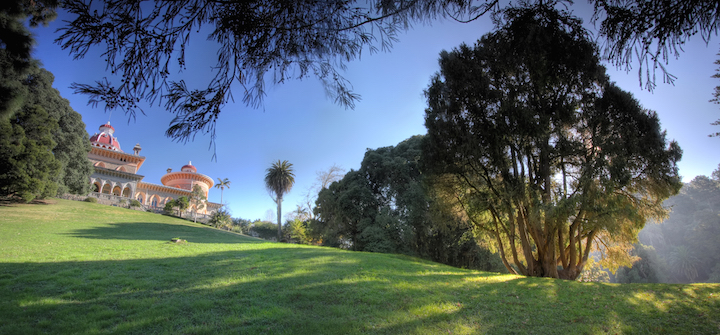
x: 116, y: 176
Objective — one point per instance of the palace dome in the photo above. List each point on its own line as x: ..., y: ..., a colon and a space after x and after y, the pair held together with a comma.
x: 188, y: 168
x: 105, y: 138
x: 186, y: 178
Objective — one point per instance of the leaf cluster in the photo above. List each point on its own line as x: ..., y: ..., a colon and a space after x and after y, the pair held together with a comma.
x: 16, y: 47
x: 279, y: 179
x: 257, y: 42
x: 653, y: 31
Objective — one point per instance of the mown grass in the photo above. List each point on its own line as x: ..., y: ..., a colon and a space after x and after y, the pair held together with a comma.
x: 75, y: 267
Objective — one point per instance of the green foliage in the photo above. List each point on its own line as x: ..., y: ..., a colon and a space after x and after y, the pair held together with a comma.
x: 686, y: 242
x: 241, y: 225
x: 648, y: 268
x: 72, y: 140
x: 594, y: 272
x: 45, y: 144
x: 222, y: 184
x: 92, y: 199
x: 535, y: 147
x: 196, y: 200
x: 264, y: 230
x: 180, y: 204
x: 279, y: 180
x: 385, y: 207
x: 714, y: 276
x: 16, y: 47
x: 221, y: 219
x: 170, y: 207
x: 684, y: 262
x: 31, y: 166
x: 287, y: 39
x: 650, y: 32
x: 135, y: 203
x: 28, y: 168
x: 296, y: 231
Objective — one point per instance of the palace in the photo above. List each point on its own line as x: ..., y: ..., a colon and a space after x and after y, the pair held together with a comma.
x: 116, y: 176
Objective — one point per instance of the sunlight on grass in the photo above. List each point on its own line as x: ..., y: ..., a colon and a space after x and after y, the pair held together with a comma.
x: 62, y: 271
x: 490, y: 279
x: 53, y: 302
x: 645, y: 299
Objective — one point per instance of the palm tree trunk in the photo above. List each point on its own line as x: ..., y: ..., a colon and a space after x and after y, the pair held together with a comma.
x: 279, y: 216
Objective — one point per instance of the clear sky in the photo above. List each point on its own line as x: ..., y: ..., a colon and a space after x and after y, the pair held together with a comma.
x: 300, y: 124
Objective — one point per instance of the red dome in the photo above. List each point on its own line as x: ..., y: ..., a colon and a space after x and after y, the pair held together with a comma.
x: 107, y: 125
x: 105, y: 138
x: 188, y: 168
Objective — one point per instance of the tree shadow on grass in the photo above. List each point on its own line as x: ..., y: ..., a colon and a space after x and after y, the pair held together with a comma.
x: 301, y: 290
x: 161, y: 232
x: 11, y: 201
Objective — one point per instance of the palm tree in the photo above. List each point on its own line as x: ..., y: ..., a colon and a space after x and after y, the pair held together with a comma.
x: 279, y: 180
x: 683, y: 262
x: 222, y: 184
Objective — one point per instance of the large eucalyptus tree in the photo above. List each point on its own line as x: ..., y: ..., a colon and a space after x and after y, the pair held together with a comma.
x: 540, y: 151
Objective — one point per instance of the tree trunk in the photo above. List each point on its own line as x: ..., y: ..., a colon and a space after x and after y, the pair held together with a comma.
x: 279, y: 216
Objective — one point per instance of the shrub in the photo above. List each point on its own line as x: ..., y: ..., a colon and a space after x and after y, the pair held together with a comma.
x: 135, y: 203
x: 220, y: 219
x: 91, y: 199
x: 170, y: 207
x: 264, y: 230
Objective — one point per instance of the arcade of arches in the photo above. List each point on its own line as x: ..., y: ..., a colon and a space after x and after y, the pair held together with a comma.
x: 116, y: 177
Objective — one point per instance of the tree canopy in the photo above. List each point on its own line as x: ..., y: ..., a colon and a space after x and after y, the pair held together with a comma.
x: 16, y: 47
x: 257, y: 42
x: 269, y: 41
x: 196, y: 200
x: 540, y: 151
x: 44, y: 144
x: 385, y: 206
x: 651, y: 32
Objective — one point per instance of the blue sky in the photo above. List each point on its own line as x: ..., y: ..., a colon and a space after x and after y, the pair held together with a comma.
x: 298, y: 123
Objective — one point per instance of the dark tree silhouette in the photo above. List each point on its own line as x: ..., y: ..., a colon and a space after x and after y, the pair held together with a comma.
x: 540, y: 151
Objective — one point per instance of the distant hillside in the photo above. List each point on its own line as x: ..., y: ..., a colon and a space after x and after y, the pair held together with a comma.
x: 76, y: 267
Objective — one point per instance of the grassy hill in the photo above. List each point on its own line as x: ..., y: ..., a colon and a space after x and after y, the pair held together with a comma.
x: 74, y: 267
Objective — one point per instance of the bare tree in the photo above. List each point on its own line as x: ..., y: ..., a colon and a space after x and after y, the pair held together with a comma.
x: 322, y: 181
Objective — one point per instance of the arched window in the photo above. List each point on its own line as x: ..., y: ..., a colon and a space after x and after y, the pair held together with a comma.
x: 140, y: 197
x: 106, y: 189
x: 126, y: 192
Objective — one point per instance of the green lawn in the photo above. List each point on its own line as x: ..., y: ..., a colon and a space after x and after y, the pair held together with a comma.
x: 74, y: 267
